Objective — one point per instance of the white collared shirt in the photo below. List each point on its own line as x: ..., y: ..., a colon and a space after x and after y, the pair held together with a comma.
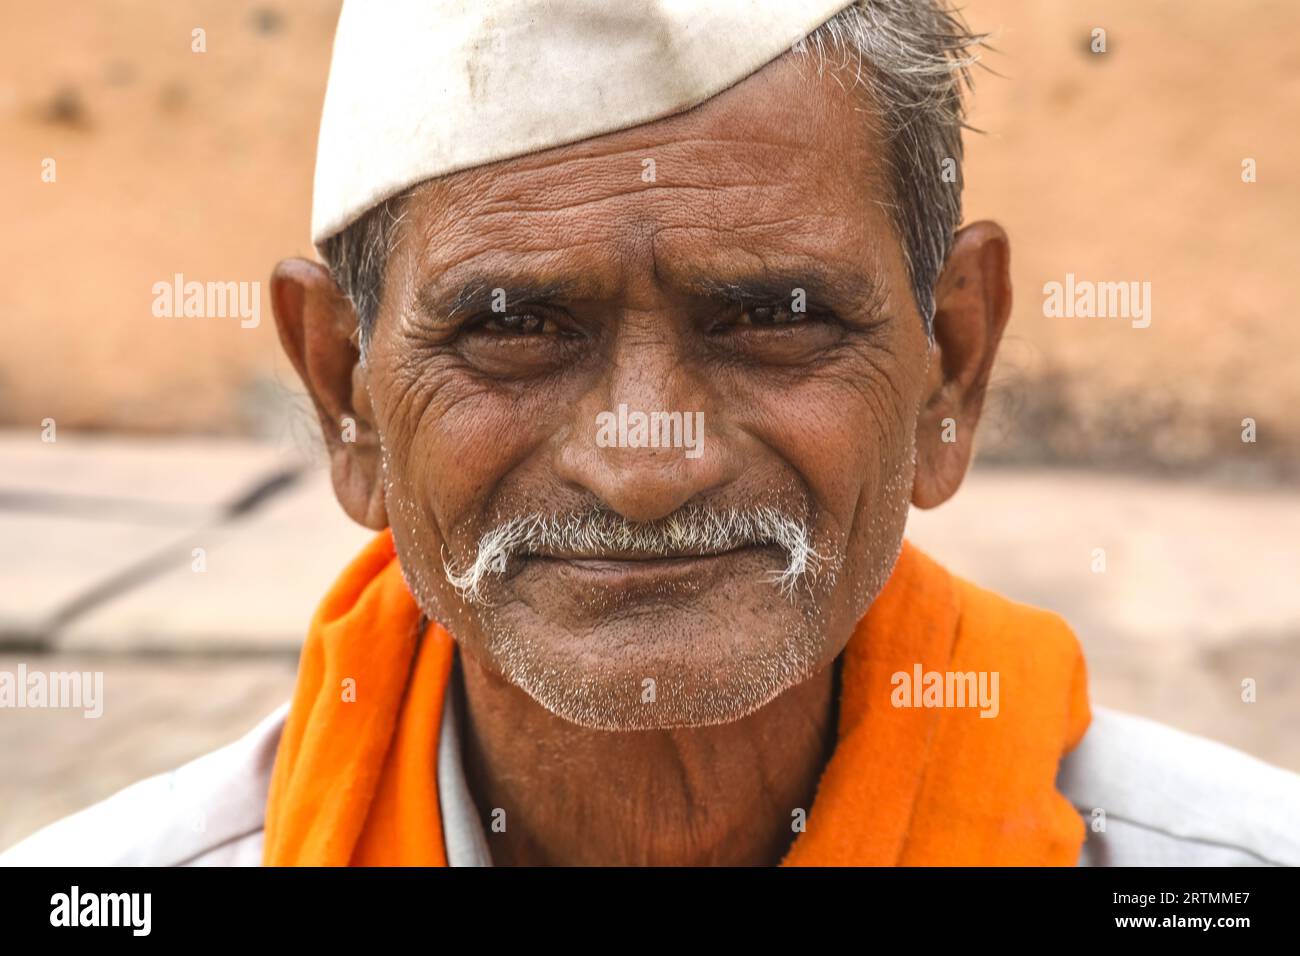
x: 1165, y: 798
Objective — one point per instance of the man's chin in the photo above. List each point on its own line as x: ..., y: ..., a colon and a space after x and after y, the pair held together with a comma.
x: 693, y: 655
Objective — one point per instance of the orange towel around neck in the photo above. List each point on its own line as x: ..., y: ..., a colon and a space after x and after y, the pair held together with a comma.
x: 354, y: 779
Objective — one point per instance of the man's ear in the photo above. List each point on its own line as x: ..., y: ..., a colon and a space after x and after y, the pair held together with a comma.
x: 318, y: 329
x: 972, y: 305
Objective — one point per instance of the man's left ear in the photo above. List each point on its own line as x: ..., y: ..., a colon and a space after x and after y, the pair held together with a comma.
x: 318, y: 329
x: 972, y: 306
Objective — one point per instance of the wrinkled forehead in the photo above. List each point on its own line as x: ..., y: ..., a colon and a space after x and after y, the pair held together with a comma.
x: 785, y: 166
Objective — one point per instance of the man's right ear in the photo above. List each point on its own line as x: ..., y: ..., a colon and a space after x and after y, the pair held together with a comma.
x: 318, y: 329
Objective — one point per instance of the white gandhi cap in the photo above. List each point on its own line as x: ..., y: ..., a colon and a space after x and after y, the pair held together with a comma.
x: 422, y: 88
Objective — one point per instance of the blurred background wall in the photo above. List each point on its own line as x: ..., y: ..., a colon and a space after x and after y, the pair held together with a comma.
x: 174, y: 433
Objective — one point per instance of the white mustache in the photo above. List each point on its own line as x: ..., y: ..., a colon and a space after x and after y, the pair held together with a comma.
x: 692, y: 530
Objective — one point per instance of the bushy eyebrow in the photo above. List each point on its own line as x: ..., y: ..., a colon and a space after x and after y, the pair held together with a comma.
x: 821, y: 287
x: 480, y: 293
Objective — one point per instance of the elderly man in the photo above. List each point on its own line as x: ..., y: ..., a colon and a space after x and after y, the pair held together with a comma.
x: 640, y: 327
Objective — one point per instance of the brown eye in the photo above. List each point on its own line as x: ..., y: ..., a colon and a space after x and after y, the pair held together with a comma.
x: 519, y: 323
x: 771, y: 314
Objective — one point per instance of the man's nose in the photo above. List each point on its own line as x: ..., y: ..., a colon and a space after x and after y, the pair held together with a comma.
x: 646, y: 439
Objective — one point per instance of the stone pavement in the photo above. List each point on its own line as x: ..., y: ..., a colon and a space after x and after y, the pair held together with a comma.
x: 186, y: 571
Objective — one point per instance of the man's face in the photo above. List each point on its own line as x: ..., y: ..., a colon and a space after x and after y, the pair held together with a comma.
x: 664, y: 286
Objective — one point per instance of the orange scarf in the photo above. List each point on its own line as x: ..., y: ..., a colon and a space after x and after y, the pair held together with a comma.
x: 354, y: 779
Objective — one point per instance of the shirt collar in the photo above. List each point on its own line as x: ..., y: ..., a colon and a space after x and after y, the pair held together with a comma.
x: 462, y: 831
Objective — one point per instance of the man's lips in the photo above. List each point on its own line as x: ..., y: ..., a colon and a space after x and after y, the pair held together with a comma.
x: 636, y: 557
x: 615, y: 569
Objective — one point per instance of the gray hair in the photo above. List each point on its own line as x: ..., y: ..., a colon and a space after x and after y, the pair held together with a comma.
x: 912, y: 56
x: 598, y: 532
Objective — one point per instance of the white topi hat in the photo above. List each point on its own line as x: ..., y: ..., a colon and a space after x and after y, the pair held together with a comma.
x: 421, y: 88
